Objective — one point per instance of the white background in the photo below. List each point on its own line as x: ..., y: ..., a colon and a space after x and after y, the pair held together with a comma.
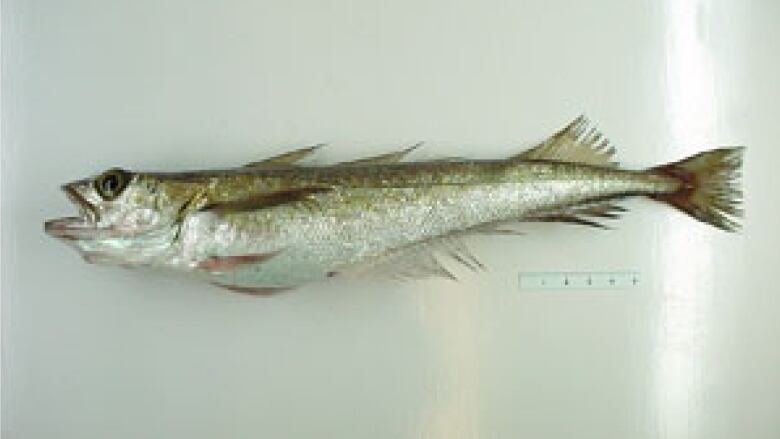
x: 95, y: 352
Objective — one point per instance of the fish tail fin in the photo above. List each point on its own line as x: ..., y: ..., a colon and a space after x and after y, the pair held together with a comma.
x: 710, y: 189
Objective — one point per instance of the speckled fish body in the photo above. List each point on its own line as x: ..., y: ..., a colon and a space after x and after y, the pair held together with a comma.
x: 273, y: 225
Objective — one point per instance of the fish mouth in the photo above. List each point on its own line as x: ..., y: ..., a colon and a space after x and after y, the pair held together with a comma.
x: 74, y: 227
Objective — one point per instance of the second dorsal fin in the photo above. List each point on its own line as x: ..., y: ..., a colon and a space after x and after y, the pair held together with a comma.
x: 578, y: 142
x: 390, y: 157
x: 285, y: 159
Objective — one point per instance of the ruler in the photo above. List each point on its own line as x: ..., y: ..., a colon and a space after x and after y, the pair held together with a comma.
x: 579, y: 280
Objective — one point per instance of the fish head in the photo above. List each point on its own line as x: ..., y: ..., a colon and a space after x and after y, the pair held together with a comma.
x: 124, y: 218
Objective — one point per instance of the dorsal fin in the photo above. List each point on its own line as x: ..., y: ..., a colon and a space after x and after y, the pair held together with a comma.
x: 578, y: 142
x: 390, y: 157
x: 285, y: 159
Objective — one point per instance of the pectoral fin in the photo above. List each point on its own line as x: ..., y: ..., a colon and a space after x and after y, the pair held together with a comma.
x: 265, y: 200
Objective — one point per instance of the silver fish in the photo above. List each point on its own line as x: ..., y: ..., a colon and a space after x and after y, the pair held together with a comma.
x: 273, y: 225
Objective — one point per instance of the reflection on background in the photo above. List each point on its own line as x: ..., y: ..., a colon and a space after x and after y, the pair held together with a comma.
x: 685, y: 251
x: 452, y: 410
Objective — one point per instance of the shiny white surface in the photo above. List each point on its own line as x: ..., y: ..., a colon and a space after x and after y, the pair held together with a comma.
x: 694, y: 352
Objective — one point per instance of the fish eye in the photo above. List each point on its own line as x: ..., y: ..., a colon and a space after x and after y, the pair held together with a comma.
x: 111, y: 183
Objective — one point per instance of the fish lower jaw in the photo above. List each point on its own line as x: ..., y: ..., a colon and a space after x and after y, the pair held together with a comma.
x: 73, y: 227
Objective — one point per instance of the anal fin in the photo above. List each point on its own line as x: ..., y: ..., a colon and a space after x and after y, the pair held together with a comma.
x: 422, y: 260
x: 579, y: 215
x: 568, y: 219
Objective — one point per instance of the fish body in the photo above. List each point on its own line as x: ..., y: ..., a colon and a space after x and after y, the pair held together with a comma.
x: 274, y: 225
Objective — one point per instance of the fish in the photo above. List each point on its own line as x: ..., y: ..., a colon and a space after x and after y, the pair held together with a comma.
x: 275, y: 224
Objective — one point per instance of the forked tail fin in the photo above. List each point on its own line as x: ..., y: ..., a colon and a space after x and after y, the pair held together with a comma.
x: 710, y: 190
